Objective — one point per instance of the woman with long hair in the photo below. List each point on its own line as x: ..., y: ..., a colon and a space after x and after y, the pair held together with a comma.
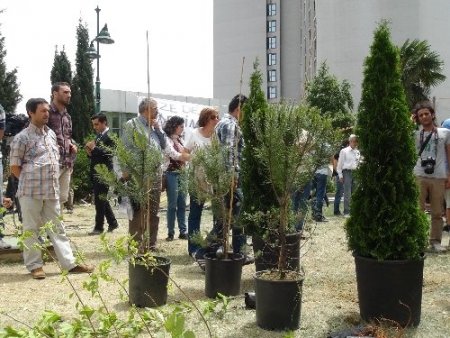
x: 176, y: 195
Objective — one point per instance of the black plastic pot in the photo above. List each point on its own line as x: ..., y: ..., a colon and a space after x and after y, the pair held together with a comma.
x: 278, y: 302
x: 223, y: 275
x: 267, y: 252
x: 390, y: 290
x: 148, y: 285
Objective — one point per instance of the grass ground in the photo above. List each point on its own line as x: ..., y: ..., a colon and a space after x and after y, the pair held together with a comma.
x: 329, y: 292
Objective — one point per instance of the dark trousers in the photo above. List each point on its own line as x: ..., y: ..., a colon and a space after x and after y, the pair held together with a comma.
x: 194, y: 220
x: 238, y: 237
x: 103, y: 208
x: 320, y: 183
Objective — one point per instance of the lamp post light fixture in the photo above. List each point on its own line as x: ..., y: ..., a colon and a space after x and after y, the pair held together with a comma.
x: 92, y: 53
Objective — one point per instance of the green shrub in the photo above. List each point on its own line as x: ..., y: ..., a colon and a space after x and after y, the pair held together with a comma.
x: 258, y: 193
x: 81, y: 183
x: 385, y: 221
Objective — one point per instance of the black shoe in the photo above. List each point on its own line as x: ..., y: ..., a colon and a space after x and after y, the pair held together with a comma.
x: 248, y: 260
x: 446, y: 228
x: 201, y: 263
x: 95, y: 232
x: 183, y: 236
x: 338, y: 213
x: 321, y: 219
x: 169, y: 238
x: 111, y: 229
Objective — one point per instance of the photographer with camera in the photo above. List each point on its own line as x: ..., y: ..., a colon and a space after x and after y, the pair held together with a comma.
x: 433, y: 148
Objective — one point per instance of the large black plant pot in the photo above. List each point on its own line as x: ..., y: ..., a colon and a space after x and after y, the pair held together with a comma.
x: 390, y: 289
x: 278, y: 302
x: 148, y: 284
x: 267, y: 252
x: 223, y: 275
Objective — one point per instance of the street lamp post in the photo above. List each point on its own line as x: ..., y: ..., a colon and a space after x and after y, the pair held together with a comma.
x: 101, y: 37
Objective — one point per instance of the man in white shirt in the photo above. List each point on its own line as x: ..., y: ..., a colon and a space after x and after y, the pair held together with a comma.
x: 349, y: 159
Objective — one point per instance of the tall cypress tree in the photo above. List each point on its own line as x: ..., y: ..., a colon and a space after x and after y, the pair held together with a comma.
x: 258, y: 192
x: 385, y: 221
x: 9, y: 88
x: 82, y: 88
x: 61, y: 70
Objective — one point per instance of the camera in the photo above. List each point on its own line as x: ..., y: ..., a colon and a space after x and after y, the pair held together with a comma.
x: 428, y: 165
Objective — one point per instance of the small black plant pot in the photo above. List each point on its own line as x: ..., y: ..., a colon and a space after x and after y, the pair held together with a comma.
x: 390, y: 290
x: 267, y: 252
x: 278, y: 302
x: 223, y: 275
x: 148, y: 284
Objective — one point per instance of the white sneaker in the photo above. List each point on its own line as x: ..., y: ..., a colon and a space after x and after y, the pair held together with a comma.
x: 4, y: 245
x: 437, y: 247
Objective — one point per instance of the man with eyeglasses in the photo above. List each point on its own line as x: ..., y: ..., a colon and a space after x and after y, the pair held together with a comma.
x: 147, y: 124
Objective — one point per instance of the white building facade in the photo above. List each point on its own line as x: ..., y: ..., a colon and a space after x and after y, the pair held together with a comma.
x: 292, y: 37
x: 345, y: 32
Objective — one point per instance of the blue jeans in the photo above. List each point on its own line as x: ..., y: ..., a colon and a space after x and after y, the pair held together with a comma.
x: 194, y: 221
x: 338, y: 195
x: 320, y: 183
x: 300, y: 203
x: 349, y: 187
x: 176, y: 203
x: 237, y: 231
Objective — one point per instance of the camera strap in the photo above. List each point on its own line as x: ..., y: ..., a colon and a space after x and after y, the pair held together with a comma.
x: 424, y: 143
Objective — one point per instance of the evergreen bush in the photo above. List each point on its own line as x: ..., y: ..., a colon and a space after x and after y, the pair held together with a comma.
x: 386, y: 222
x: 293, y: 141
x: 81, y: 184
x: 258, y: 193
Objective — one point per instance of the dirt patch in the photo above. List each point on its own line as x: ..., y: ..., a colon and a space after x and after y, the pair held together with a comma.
x: 329, y: 290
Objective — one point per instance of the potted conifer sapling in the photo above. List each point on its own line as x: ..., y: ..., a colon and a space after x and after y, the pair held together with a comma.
x: 210, y: 180
x: 293, y: 142
x: 387, y: 232
x: 148, y: 273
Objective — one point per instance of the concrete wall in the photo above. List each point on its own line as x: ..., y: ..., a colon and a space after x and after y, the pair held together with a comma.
x: 291, y: 53
x: 345, y: 33
x: 239, y: 31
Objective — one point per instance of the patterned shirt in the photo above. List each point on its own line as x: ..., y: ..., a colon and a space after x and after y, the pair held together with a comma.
x: 229, y: 133
x: 61, y: 124
x: 36, y: 152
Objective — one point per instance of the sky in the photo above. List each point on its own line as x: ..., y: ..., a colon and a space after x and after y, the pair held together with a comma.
x: 180, y: 43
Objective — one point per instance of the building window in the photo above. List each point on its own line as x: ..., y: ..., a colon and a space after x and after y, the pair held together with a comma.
x: 271, y: 9
x: 271, y: 59
x: 272, y: 92
x: 272, y: 75
x: 272, y: 26
x: 271, y: 42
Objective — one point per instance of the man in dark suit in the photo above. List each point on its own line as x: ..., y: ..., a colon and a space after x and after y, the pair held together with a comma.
x: 99, y: 154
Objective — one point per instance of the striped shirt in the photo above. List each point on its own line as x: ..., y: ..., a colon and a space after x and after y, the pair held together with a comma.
x: 36, y: 152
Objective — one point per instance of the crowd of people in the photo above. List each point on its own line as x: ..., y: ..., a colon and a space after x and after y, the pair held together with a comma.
x: 43, y: 154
